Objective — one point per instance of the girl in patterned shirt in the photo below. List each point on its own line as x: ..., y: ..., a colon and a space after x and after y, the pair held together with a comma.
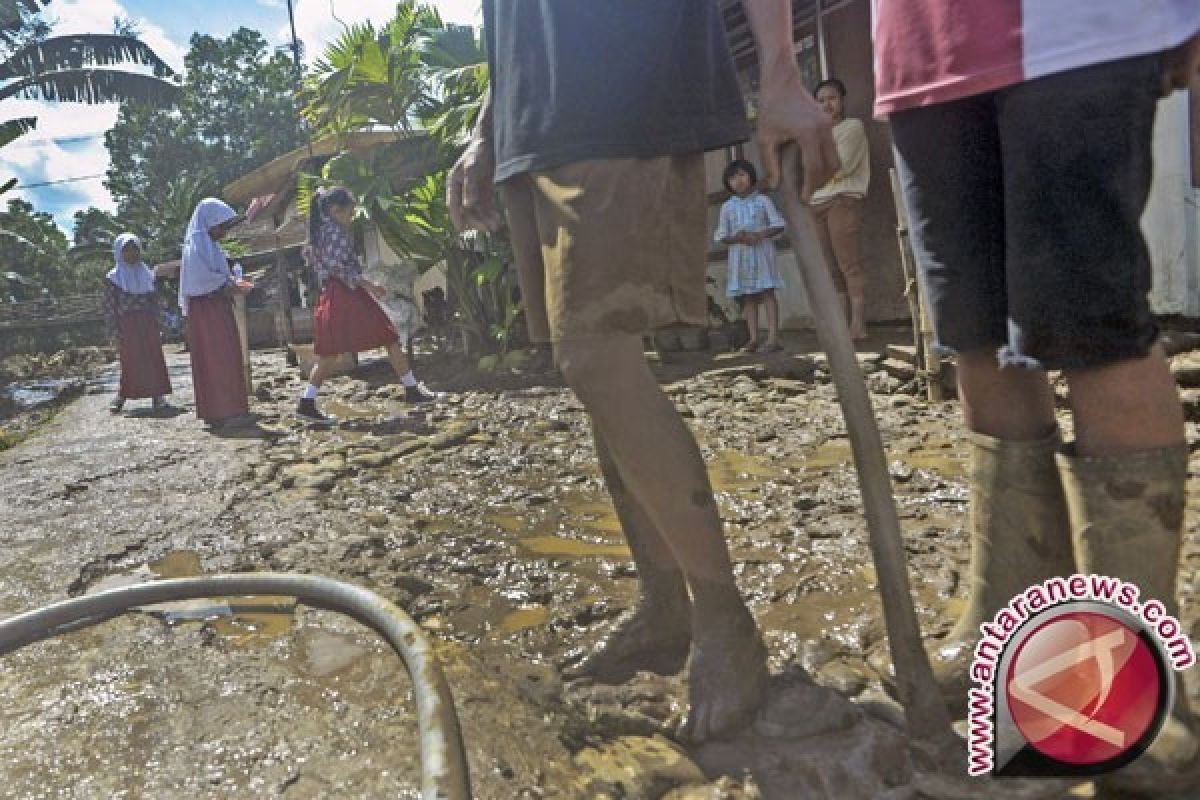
x: 347, y: 318
x: 748, y: 223
x: 131, y: 306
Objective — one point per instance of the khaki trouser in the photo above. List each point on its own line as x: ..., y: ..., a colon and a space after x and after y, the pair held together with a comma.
x: 610, y: 246
x: 839, y: 224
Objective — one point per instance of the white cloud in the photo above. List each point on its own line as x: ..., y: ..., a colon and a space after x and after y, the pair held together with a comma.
x: 96, y: 16
x: 272, y: 3
x: 68, y: 142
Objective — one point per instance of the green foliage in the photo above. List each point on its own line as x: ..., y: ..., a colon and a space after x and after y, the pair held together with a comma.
x: 19, y: 23
x: 417, y: 72
x: 159, y: 220
x: 235, y: 111
x: 456, y: 68
x: 32, y: 245
x: 372, y: 77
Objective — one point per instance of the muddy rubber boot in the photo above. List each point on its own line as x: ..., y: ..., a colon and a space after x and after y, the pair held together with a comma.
x: 1020, y: 535
x: 1127, y: 522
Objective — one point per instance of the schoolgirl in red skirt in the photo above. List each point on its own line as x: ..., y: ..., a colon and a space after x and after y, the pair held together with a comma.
x: 347, y: 319
x: 206, y: 290
x: 131, y: 306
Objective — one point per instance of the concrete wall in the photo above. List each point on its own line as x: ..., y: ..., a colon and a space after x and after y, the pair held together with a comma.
x: 1172, y: 219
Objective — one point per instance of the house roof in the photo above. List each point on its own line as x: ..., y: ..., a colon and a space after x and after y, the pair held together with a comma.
x: 741, y: 41
x: 270, y: 190
x: 278, y: 176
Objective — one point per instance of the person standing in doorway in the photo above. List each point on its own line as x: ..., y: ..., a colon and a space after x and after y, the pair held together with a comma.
x: 748, y: 224
x: 206, y: 290
x: 600, y: 161
x: 838, y: 206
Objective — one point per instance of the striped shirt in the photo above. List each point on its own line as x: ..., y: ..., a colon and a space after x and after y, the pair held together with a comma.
x: 935, y: 51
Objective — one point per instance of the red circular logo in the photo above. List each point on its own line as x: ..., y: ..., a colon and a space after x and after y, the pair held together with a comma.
x: 1084, y: 688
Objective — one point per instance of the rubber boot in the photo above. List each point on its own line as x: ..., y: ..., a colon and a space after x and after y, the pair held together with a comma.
x: 1127, y: 522
x: 1020, y: 535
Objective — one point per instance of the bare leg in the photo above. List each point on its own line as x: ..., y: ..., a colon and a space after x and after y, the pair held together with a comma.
x: 750, y: 305
x: 656, y: 634
x: 1126, y: 407
x: 772, y: 306
x: 858, y: 317
x: 1013, y: 404
x: 321, y: 370
x: 658, y: 461
x: 399, y: 359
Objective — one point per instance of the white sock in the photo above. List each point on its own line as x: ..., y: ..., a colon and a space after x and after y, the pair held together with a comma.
x: 408, y: 379
x: 310, y: 392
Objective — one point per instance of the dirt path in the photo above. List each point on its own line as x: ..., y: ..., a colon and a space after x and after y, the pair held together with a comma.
x: 486, y: 520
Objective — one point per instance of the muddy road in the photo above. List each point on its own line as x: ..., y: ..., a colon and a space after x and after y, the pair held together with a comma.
x: 485, y: 518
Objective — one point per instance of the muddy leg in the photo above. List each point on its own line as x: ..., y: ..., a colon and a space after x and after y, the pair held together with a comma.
x: 660, y: 464
x: 655, y: 635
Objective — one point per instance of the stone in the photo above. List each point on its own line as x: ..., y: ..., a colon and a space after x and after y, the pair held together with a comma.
x: 634, y: 768
x: 293, y: 474
x: 453, y: 436
x: 371, y: 460
x: 332, y: 463
x: 321, y: 481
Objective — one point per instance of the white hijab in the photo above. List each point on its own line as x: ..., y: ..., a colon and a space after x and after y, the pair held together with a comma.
x: 205, y: 268
x: 133, y: 278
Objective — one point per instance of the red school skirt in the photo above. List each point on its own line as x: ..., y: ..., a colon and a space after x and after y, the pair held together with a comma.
x: 349, y: 321
x: 218, y: 375
x: 143, y: 368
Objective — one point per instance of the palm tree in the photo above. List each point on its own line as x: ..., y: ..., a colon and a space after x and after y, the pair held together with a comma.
x: 371, y: 78
x: 83, y: 68
x: 456, y: 68
x: 415, y: 74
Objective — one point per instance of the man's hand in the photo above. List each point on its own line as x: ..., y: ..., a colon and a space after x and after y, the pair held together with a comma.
x: 470, y: 193
x: 1183, y: 65
x: 787, y: 112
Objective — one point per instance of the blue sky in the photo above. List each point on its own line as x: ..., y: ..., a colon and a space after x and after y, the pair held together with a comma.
x: 68, y: 143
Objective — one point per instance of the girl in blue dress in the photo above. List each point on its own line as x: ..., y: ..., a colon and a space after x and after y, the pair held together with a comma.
x: 749, y: 223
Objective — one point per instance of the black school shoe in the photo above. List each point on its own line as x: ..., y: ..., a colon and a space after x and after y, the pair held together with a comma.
x: 419, y: 394
x: 307, y: 407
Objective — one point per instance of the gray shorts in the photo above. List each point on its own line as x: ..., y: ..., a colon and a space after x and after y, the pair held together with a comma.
x: 1025, y: 208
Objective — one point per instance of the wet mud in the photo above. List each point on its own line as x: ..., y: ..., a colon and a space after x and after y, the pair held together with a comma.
x: 484, y: 517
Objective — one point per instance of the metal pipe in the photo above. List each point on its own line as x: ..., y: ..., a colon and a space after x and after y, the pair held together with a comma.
x: 822, y: 50
x: 444, y: 774
x: 928, y: 719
